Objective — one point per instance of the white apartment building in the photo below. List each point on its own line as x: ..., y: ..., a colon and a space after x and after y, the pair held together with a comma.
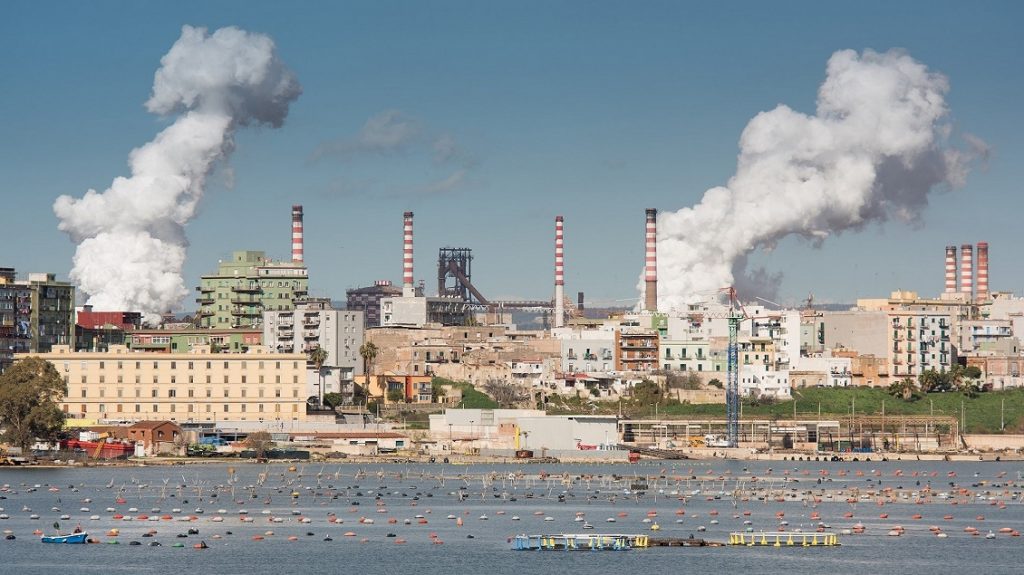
x: 314, y: 323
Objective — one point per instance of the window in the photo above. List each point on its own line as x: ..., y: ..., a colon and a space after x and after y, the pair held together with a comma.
x: 172, y: 393
x: 154, y: 394
x: 83, y: 391
x: 191, y: 392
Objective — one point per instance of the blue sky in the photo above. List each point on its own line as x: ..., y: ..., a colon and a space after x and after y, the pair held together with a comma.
x: 503, y: 115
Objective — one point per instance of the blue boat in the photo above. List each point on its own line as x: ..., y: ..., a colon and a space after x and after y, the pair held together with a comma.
x: 73, y: 538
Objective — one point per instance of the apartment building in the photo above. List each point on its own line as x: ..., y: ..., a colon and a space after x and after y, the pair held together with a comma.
x: 35, y: 314
x: 246, y: 286
x: 196, y: 386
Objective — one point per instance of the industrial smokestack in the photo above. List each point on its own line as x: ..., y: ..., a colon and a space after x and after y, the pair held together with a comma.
x: 297, y: 234
x: 651, y: 261
x: 559, y: 273
x: 967, y: 271
x: 982, y: 271
x: 408, y: 290
x: 579, y: 302
x: 950, y: 269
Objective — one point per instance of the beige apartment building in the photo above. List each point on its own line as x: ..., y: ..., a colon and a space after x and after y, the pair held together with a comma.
x: 200, y: 386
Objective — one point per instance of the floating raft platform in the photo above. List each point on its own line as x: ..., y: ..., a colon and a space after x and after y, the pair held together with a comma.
x: 784, y: 539
x: 579, y: 542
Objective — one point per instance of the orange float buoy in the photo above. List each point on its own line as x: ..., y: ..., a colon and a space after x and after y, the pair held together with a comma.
x: 883, y: 516
x: 257, y: 538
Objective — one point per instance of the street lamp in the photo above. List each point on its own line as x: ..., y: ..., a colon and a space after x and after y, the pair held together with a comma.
x: 451, y: 443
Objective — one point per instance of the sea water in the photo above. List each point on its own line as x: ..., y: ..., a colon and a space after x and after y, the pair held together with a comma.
x: 636, y: 496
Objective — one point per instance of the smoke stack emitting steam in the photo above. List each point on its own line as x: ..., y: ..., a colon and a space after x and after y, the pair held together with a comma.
x: 408, y: 289
x: 559, y: 273
x: 876, y: 146
x: 131, y: 237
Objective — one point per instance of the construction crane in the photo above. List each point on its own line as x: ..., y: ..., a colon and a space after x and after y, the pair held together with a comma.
x: 734, y: 315
x: 732, y: 388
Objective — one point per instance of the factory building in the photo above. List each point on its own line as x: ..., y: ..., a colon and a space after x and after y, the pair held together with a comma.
x: 247, y: 286
x: 199, y: 386
x: 35, y: 314
x: 98, y: 330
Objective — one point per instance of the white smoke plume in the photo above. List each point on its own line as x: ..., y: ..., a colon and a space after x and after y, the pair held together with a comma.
x: 875, y: 148
x: 131, y: 237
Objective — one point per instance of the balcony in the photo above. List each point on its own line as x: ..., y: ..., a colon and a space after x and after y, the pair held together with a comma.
x: 204, y: 289
x: 285, y: 324
x: 311, y: 321
x: 286, y: 334
x: 205, y: 312
x: 310, y: 334
x: 204, y: 300
x: 251, y: 288
x: 245, y: 312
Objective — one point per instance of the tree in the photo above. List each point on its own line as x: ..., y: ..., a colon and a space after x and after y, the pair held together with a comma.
x: 334, y: 399
x: 29, y: 393
x: 684, y: 380
x: 396, y: 396
x: 437, y: 391
x: 506, y: 393
x: 317, y: 356
x: 931, y: 380
x: 369, y: 352
x: 903, y: 389
x: 716, y: 383
x: 260, y: 442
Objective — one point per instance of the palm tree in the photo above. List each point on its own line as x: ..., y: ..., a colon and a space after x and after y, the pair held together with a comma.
x: 903, y: 389
x: 369, y: 352
x: 318, y: 356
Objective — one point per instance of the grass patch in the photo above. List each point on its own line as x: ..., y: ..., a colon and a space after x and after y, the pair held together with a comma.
x: 471, y: 398
x: 982, y: 412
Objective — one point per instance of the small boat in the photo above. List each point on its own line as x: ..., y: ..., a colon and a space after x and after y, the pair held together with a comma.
x: 73, y: 538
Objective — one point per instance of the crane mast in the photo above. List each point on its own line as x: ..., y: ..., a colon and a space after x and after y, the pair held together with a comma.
x: 732, y: 387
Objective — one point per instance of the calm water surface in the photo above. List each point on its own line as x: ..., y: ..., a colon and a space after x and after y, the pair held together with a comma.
x: 351, y: 491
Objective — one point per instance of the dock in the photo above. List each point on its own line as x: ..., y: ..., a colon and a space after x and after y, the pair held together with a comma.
x: 579, y: 542
x: 783, y: 539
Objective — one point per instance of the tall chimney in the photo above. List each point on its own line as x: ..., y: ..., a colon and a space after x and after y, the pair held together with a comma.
x: 950, y: 269
x: 651, y: 261
x: 297, y: 234
x: 579, y: 302
x: 559, y: 273
x: 408, y: 290
x: 967, y: 271
x: 982, y: 271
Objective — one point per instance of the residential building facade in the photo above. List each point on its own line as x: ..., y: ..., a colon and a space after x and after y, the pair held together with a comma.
x: 198, y: 386
x: 248, y: 285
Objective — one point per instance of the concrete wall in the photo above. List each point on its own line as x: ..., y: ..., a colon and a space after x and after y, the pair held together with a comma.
x: 864, y: 332
x: 992, y: 442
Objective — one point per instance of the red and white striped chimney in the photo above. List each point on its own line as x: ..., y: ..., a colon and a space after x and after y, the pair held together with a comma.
x: 967, y: 271
x: 559, y: 273
x: 982, y: 270
x: 408, y: 290
x: 651, y: 261
x: 950, y: 269
x: 297, y: 255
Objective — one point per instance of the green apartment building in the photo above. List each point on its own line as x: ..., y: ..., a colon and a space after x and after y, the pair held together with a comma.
x: 246, y: 286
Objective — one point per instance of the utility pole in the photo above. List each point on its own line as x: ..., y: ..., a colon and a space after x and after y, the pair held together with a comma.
x: 1002, y: 421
